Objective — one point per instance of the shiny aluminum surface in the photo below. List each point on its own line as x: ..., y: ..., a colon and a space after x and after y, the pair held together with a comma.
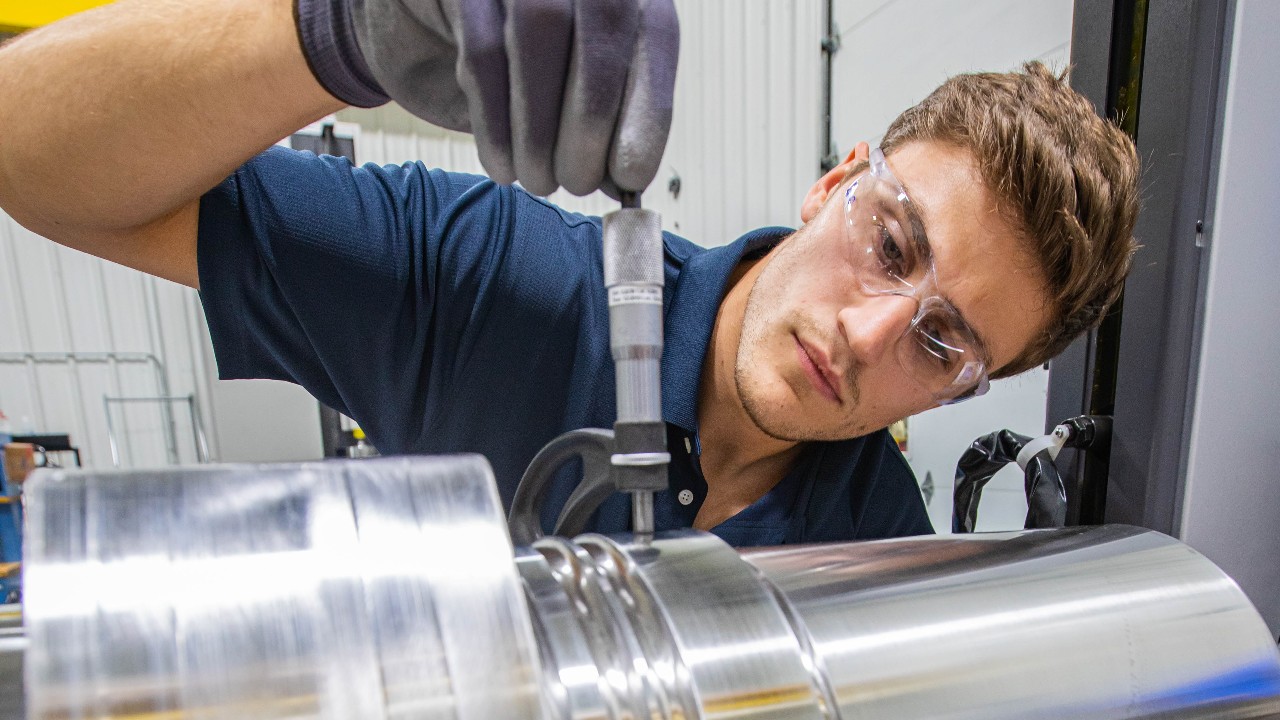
x: 729, y: 648
x: 268, y: 613
x: 276, y: 592
x: 572, y: 682
x: 388, y: 589
x: 1108, y: 622
x: 629, y: 684
x: 480, y: 611
x: 676, y: 627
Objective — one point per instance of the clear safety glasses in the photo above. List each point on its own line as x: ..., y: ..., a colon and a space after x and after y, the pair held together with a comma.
x: 892, y: 256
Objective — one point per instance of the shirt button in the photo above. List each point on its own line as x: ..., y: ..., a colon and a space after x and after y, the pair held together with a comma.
x: 685, y: 497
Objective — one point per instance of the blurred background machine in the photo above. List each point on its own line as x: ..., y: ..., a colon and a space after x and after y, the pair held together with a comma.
x: 390, y: 588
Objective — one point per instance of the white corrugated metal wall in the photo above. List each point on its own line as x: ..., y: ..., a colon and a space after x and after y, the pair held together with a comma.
x: 61, y: 312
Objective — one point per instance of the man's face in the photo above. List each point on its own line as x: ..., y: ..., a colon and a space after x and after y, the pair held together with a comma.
x: 818, y: 356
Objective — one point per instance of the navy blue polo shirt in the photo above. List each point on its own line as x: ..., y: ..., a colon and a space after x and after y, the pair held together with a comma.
x: 446, y: 313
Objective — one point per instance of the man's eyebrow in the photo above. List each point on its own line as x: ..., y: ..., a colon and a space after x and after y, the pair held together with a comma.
x: 983, y: 349
x: 921, y: 240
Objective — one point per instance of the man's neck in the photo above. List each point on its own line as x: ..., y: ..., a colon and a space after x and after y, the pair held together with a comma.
x: 738, y: 458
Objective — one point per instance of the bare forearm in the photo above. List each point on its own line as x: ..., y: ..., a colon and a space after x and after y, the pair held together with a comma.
x: 120, y: 117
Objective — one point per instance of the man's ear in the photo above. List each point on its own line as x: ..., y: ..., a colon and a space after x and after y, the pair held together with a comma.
x: 818, y: 194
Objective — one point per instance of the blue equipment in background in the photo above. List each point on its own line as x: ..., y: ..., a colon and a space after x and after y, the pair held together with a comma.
x: 10, y: 531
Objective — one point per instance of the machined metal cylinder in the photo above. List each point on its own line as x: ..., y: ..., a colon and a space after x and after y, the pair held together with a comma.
x: 361, y: 589
x: 388, y: 588
x: 1110, y: 621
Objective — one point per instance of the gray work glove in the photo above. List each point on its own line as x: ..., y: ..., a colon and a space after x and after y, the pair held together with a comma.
x: 557, y: 92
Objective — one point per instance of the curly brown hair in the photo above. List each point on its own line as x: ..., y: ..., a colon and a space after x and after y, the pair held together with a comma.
x: 1064, y: 175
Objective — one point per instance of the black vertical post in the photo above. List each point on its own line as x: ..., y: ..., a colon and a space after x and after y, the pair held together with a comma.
x: 1107, y: 38
x: 1160, y: 63
x: 1158, y: 355
x: 829, y: 157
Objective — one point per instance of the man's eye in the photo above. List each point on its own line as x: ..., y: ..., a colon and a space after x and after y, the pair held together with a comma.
x: 935, y: 349
x: 892, y: 254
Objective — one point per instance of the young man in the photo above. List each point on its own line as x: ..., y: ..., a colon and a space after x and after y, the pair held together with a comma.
x: 449, y: 313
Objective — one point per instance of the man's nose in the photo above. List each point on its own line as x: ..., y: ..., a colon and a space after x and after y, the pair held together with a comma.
x: 873, y: 326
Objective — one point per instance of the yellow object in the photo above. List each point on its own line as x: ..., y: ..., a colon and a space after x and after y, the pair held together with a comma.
x: 357, y: 433
x: 900, y: 434
x: 19, y: 15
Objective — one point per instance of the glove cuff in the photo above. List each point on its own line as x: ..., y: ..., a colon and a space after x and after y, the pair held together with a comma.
x: 328, y: 41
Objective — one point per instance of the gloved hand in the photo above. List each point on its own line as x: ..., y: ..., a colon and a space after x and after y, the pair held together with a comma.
x: 557, y: 92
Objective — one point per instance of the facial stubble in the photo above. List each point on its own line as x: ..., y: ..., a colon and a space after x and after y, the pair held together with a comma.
x: 766, y: 295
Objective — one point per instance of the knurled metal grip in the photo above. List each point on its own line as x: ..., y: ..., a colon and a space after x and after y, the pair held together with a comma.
x: 633, y: 275
x: 632, y: 247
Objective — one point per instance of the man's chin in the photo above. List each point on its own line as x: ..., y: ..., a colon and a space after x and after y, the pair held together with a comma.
x: 790, y: 420
x: 791, y: 429
x: 778, y: 430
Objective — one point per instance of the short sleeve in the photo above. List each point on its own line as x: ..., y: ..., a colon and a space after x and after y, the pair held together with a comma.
x: 330, y: 276
x: 444, y: 312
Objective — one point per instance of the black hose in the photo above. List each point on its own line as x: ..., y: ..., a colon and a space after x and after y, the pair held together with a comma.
x: 1046, y: 493
x: 977, y: 465
x: 1045, y: 489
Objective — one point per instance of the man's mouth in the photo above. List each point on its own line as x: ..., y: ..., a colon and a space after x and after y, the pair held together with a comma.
x: 817, y: 369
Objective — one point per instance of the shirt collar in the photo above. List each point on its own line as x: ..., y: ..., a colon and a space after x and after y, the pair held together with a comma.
x: 691, y: 315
